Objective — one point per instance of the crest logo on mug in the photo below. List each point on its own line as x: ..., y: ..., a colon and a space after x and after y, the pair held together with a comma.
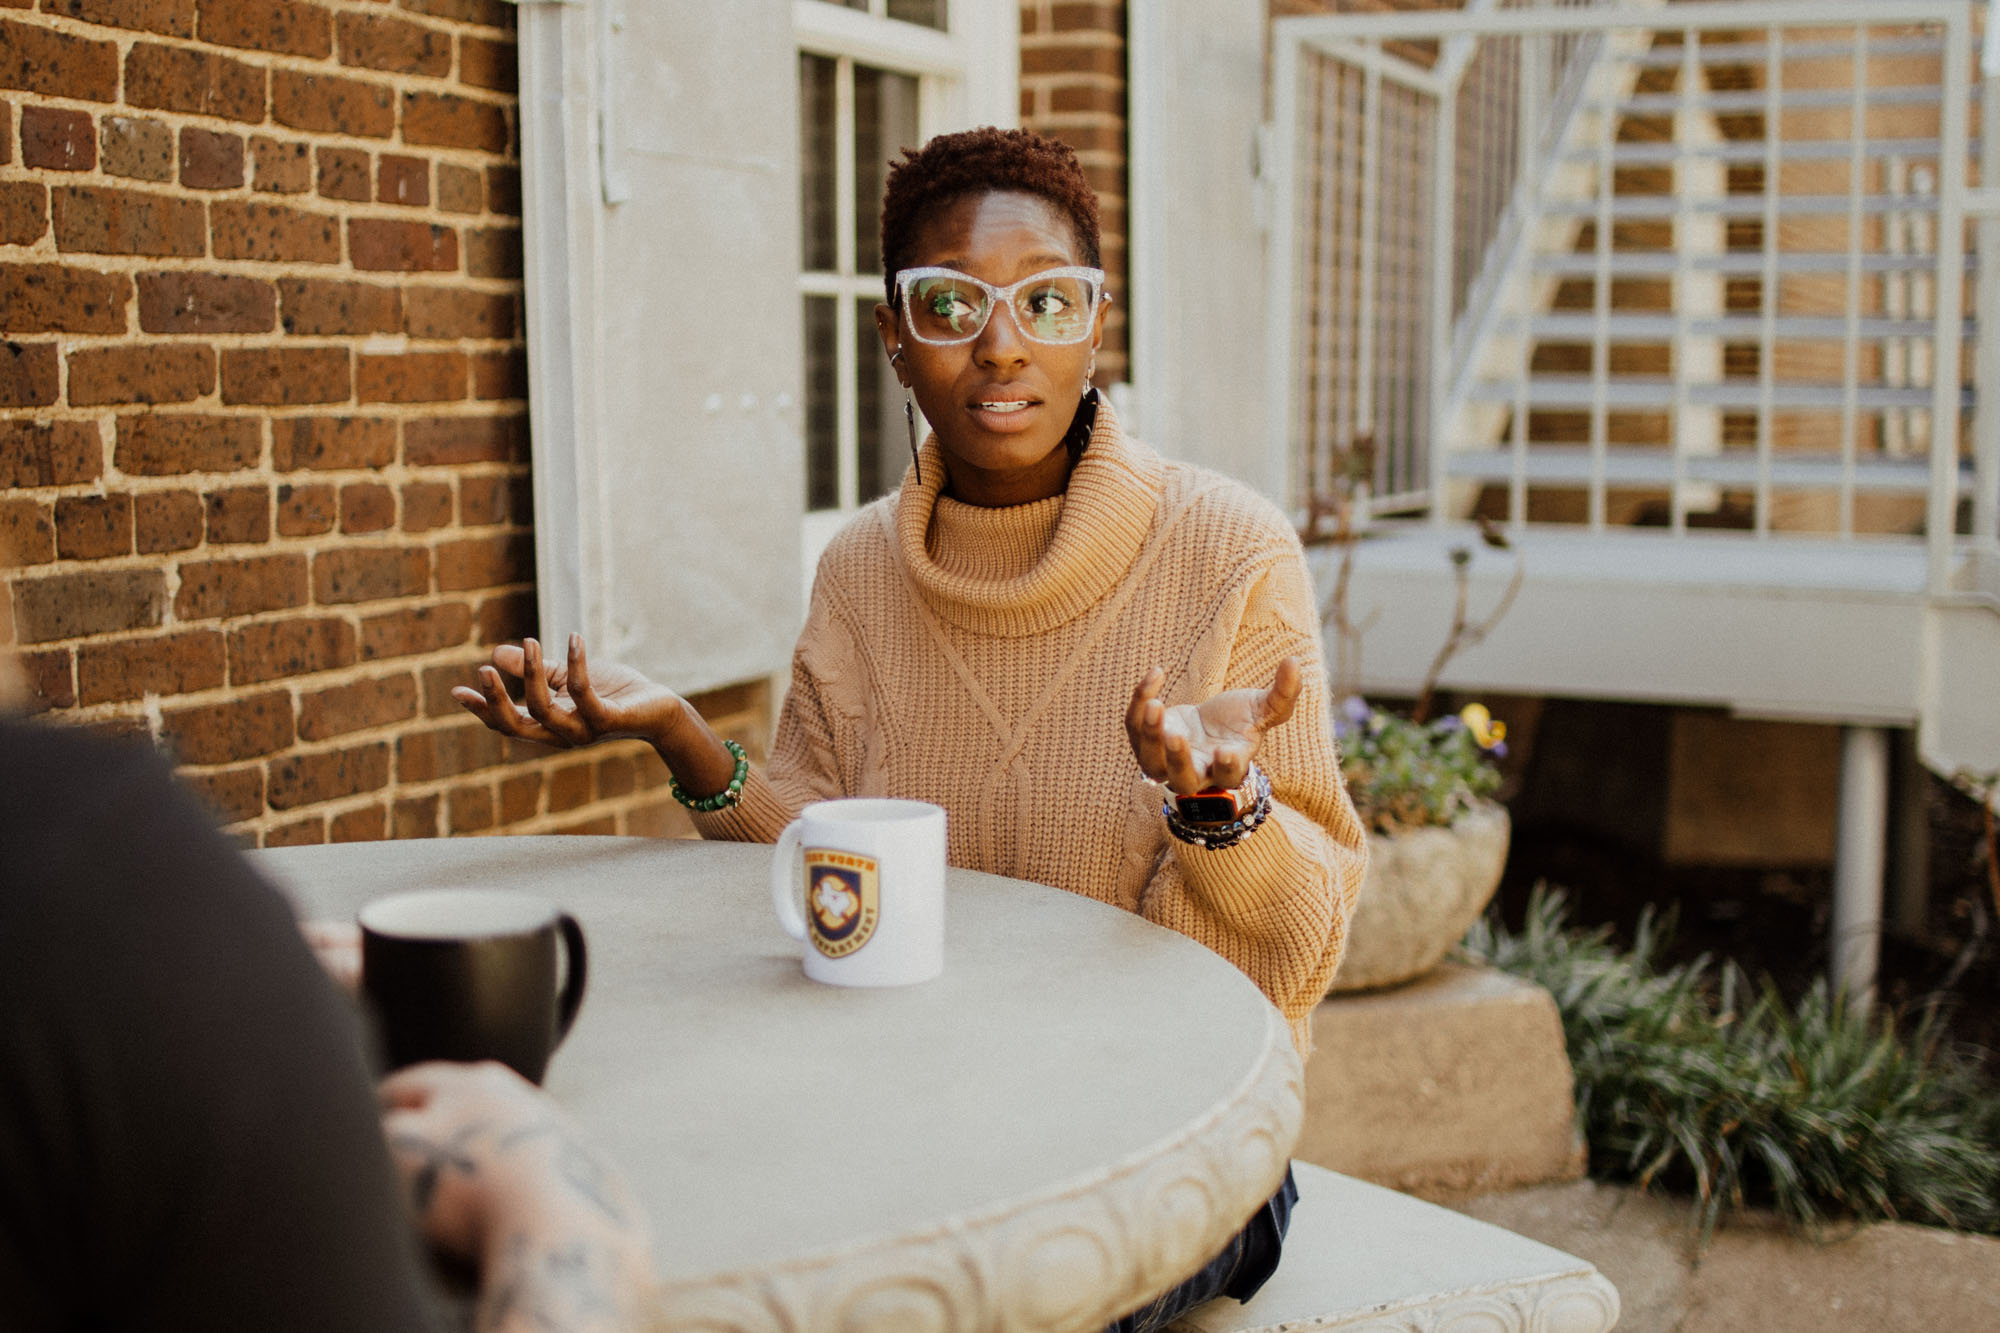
x: 843, y: 898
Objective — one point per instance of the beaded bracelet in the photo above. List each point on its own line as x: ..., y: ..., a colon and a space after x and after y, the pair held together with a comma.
x: 1217, y: 837
x: 723, y: 799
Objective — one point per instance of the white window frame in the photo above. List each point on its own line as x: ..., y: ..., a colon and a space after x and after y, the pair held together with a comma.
x: 966, y: 76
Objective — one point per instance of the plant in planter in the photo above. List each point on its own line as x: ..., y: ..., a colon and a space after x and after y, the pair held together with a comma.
x: 1437, y: 840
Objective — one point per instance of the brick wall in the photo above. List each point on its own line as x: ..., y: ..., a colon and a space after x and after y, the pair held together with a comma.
x: 262, y: 430
x: 1073, y: 87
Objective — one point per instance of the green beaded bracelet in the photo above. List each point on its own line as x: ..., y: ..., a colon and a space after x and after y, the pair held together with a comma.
x: 723, y: 799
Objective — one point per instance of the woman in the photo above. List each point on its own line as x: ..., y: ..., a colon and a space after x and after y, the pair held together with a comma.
x: 974, y: 637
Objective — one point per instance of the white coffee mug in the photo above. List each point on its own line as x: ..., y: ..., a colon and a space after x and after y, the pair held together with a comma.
x: 873, y: 876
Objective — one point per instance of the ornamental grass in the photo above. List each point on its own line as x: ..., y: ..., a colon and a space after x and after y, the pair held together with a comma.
x: 1698, y: 1079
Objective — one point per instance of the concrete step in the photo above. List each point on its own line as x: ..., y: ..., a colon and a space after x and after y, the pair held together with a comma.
x: 1362, y: 1257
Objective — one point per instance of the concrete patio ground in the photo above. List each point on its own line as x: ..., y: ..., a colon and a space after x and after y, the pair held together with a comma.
x: 1882, y: 1278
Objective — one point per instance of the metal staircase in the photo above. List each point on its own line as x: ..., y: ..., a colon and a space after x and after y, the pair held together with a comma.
x: 1684, y: 296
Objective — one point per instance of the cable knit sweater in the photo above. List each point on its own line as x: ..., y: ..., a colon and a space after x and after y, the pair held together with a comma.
x: 984, y: 659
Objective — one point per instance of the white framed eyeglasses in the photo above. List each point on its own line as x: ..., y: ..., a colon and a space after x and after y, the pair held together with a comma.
x: 943, y: 306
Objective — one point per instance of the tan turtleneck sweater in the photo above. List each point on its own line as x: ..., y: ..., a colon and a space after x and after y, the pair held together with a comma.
x: 984, y: 659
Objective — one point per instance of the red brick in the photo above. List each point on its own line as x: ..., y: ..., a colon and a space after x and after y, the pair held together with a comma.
x: 39, y: 59
x: 410, y: 377
x: 1075, y: 98
x: 275, y: 232
x: 171, y: 18
x: 136, y: 148
x: 307, y: 832
x: 414, y: 817
x: 107, y: 221
x: 51, y: 682
x: 569, y: 787
x: 356, y: 707
x: 28, y: 533
x: 491, y: 13
x: 403, y: 180
x: 305, y: 511
x: 70, y: 605
x: 238, y: 514
x: 285, y: 375
x: 58, y: 139
x: 508, y: 618
x: 485, y: 64
x: 503, y: 191
x: 280, y: 166
x: 499, y: 375
x: 234, y: 794
x: 211, y: 161
x: 449, y: 121
x: 54, y: 453
x: 616, y: 776
x: 493, y: 252
x: 485, y: 562
x: 282, y: 649
x: 331, y: 443
x: 56, y: 298
x: 426, y: 505
x: 236, y: 729
x: 1099, y: 18
x: 291, y: 27
x: 184, y: 302
x: 459, y: 189
x: 597, y: 826
x: 308, y: 779
x: 142, y: 373
x: 423, y: 629
x: 166, y: 521
x: 369, y: 823
x: 333, y: 105
x: 178, y: 78
x: 520, y: 797
x: 470, y: 809
x: 447, y: 751
x: 168, y: 444
x: 484, y: 501
x: 397, y: 46
x: 467, y: 439
x: 370, y: 573
x: 164, y: 664
x: 28, y: 374
x: 437, y: 684
x: 367, y: 507
x: 93, y: 527
x: 6, y: 132
x: 457, y: 312
x: 24, y: 212
x: 659, y: 819
x: 343, y: 174
x: 212, y: 589
x: 1079, y: 58
x: 314, y: 306
x: 389, y: 245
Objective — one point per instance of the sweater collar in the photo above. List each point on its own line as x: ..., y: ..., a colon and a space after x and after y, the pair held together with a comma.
x: 1087, y: 538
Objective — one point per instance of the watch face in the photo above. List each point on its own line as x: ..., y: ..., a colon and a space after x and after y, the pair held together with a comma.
x: 1206, y: 808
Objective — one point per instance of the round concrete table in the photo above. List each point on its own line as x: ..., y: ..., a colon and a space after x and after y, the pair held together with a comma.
x: 1073, y: 1117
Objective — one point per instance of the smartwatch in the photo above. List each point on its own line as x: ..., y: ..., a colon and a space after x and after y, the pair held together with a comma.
x: 1218, y: 805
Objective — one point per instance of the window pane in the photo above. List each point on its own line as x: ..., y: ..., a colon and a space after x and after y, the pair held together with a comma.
x: 884, y: 435
x: 930, y: 13
x: 816, y: 161
x: 822, y: 406
x: 885, y: 123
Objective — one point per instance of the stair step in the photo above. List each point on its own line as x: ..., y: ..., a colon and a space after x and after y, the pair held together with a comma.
x: 1666, y: 206
x: 1789, y: 99
x: 1713, y: 53
x: 1641, y: 466
x: 1752, y: 151
x: 1626, y: 392
x: 1625, y: 327
x: 1748, y: 264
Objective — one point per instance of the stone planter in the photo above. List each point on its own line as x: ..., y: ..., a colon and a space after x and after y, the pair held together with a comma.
x: 1423, y: 889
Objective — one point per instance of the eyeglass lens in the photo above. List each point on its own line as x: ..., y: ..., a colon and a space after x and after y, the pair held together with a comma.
x: 1048, y: 309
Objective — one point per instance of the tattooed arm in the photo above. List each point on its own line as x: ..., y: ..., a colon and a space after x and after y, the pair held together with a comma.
x: 499, y: 1177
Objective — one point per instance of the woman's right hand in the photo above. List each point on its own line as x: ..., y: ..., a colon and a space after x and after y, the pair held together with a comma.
x: 570, y: 706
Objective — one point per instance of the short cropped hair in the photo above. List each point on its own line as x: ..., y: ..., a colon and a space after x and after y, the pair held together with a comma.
x: 974, y: 162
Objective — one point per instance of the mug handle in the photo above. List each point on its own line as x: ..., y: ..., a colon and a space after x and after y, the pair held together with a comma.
x: 578, y: 968
x: 785, y: 881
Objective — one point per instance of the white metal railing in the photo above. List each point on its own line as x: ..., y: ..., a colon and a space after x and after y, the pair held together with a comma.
x: 1698, y: 265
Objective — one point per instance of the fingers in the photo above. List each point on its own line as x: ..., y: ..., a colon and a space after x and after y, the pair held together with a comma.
x: 588, y: 706
x: 1228, y: 766
x: 536, y: 681
x: 1283, y: 696
x: 1144, y: 719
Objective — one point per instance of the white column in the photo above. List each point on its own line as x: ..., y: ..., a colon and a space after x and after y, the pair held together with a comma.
x: 1857, y: 867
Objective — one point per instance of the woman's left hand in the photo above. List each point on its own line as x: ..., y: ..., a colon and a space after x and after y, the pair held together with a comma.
x: 1192, y: 747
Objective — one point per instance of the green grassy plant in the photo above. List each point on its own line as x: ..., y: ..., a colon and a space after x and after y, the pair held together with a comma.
x: 1696, y: 1078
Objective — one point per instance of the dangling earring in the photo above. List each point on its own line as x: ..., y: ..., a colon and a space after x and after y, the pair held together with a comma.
x: 910, y: 419
x: 1089, y: 373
